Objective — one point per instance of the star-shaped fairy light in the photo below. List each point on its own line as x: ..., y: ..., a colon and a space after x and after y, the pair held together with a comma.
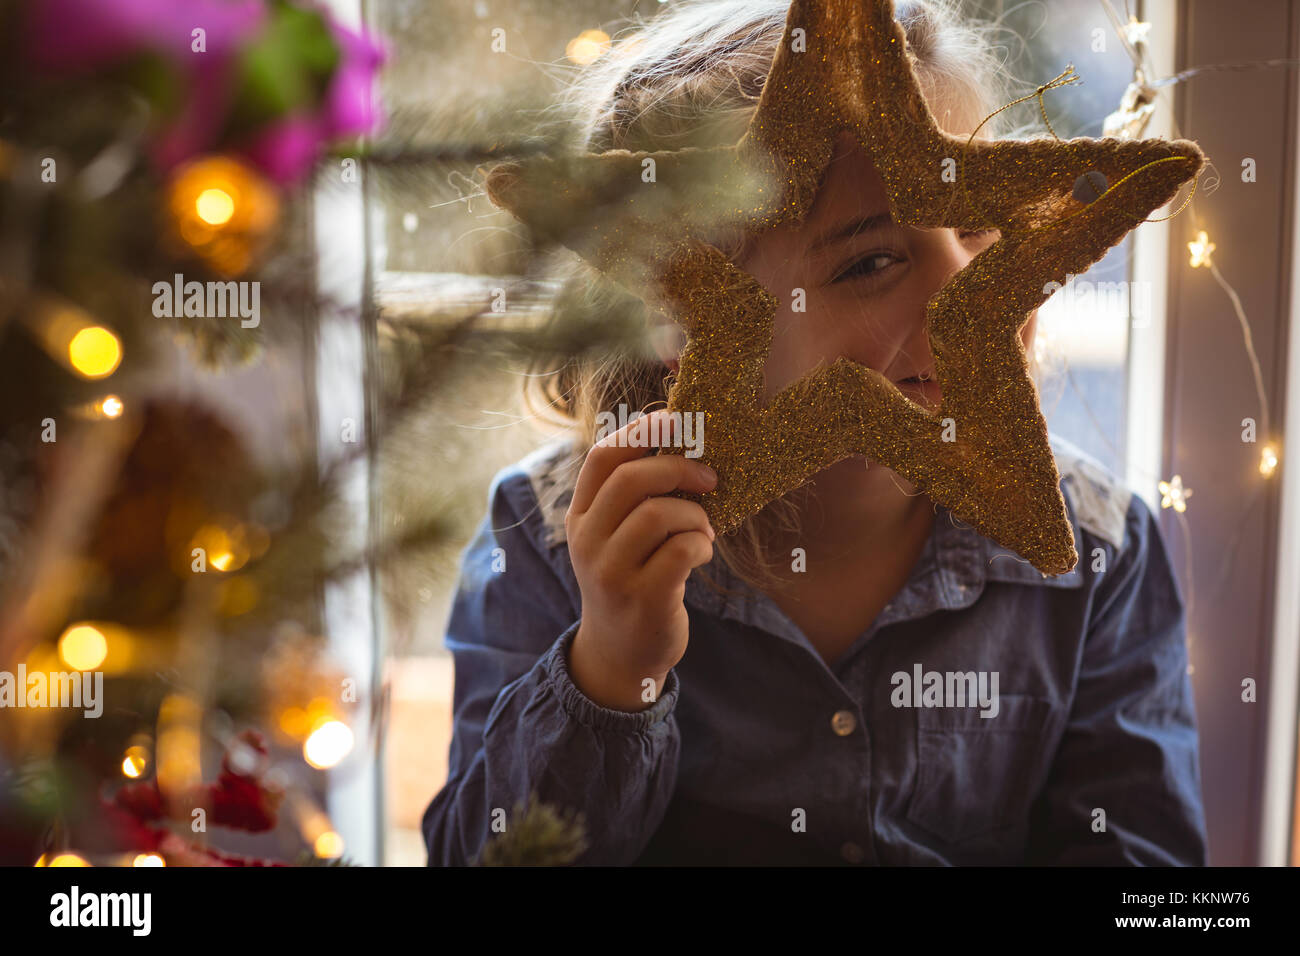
x: 1201, y: 250
x: 1136, y: 31
x: 643, y: 219
x: 1173, y: 494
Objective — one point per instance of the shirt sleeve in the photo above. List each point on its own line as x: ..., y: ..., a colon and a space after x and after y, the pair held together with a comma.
x: 1130, y: 745
x: 521, y: 727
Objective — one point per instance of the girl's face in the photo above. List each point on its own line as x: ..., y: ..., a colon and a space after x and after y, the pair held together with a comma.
x: 866, y: 281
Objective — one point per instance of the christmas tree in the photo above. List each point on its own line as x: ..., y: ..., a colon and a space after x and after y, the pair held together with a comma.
x: 166, y: 691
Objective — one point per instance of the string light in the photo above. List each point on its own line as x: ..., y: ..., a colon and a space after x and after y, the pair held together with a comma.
x: 1267, y: 460
x: 215, y: 206
x: 74, y: 337
x: 328, y: 744
x: 329, y: 845
x: 61, y: 859
x: 148, y: 859
x: 225, y: 543
x: 223, y: 210
x: 1174, y: 494
x: 111, y: 407
x: 135, y: 761
x: 1134, y: 113
x: 95, y: 352
x: 1200, y: 250
x: 83, y: 647
x: 1136, y: 31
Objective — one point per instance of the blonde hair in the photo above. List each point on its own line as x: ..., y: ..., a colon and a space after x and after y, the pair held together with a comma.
x: 692, y: 77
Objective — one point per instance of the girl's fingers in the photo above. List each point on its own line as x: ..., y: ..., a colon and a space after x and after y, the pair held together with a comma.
x: 650, y: 524
x: 635, y: 481
x: 669, y: 566
x: 627, y: 444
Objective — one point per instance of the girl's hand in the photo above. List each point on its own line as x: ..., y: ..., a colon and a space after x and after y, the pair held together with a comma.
x: 632, y: 550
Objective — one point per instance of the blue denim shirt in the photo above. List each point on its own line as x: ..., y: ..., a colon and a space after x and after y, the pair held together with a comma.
x: 759, y: 752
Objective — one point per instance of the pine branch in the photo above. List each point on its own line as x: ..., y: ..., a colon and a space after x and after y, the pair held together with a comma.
x: 538, y: 835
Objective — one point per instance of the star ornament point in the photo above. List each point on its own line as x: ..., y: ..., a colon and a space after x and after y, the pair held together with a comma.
x: 645, y: 220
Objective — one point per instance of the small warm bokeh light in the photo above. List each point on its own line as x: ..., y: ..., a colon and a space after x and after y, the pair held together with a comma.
x: 587, y: 47
x: 83, y: 647
x: 329, y: 845
x: 328, y: 744
x: 1267, y: 461
x: 1174, y: 494
x: 73, y: 336
x: 225, y: 545
x: 214, y: 206
x: 223, y: 210
x: 95, y: 352
x: 1200, y: 250
x: 135, y: 761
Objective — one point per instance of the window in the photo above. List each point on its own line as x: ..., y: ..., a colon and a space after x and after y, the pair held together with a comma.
x: 1141, y: 359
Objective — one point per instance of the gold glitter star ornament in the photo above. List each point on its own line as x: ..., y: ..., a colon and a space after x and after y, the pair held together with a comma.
x: 645, y: 219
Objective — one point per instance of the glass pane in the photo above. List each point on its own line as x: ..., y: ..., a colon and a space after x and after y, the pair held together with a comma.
x: 436, y: 260
x: 1081, y: 344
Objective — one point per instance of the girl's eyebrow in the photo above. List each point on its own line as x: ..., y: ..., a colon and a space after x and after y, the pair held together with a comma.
x: 850, y: 229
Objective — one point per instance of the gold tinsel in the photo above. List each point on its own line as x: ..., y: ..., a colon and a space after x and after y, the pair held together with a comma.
x: 642, y: 219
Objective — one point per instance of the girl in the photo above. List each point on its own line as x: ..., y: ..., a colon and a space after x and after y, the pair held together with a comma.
x: 855, y: 676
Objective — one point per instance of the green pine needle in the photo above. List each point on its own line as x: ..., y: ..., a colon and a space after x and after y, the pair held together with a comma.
x: 537, y: 836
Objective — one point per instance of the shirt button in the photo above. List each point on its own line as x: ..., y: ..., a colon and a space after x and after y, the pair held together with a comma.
x: 852, y: 853
x: 844, y: 723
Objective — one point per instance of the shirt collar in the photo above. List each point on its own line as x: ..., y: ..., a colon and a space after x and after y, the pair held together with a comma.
x: 951, y: 573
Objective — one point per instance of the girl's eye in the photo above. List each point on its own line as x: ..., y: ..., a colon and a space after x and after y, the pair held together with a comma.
x: 867, y: 266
